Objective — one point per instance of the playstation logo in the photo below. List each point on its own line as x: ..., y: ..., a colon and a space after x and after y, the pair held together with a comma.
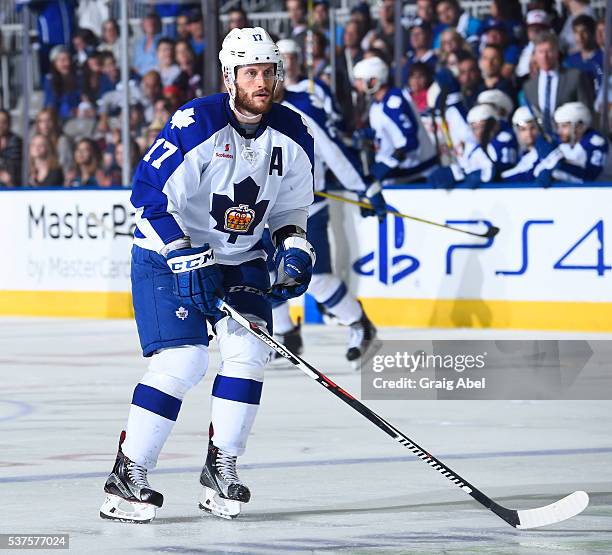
x: 388, y: 264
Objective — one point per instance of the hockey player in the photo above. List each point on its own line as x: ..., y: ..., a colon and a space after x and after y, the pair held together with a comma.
x: 534, y: 147
x: 500, y: 101
x: 582, y: 155
x: 526, y: 131
x: 404, y: 151
x: 482, y: 161
x: 325, y: 287
x: 223, y: 168
x: 297, y: 82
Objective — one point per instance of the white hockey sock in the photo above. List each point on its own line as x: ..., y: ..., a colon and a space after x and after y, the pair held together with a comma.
x: 333, y: 294
x: 232, y: 422
x: 348, y: 310
x: 282, y: 322
x: 157, y: 400
x: 237, y: 389
x: 146, y: 434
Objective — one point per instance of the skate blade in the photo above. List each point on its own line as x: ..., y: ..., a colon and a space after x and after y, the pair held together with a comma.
x: 374, y: 346
x: 117, y: 508
x: 211, y: 502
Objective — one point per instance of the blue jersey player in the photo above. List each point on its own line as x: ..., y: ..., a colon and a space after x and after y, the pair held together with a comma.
x: 582, y: 155
x: 493, y: 150
x: 404, y: 151
x: 326, y: 288
x: 222, y: 169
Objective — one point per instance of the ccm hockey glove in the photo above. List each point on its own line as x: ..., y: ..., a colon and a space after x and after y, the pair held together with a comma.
x: 294, y: 259
x: 197, y: 278
x: 374, y: 196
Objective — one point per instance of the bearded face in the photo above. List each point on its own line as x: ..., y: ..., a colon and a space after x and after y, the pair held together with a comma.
x: 254, y: 88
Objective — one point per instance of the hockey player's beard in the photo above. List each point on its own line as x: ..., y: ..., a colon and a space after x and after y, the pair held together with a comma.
x: 244, y: 102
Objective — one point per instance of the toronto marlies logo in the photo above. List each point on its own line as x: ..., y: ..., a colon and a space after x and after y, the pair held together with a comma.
x: 182, y: 118
x: 242, y: 215
x: 182, y: 313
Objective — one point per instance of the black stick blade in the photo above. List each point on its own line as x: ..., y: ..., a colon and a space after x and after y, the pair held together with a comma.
x: 491, y: 232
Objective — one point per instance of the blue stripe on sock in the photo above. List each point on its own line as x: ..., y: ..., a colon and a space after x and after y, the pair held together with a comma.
x: 156, y: 401
x: 237, y: 389
x: 336, y: 297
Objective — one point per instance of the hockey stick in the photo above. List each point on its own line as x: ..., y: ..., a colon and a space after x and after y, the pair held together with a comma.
x: 537, y: 117
x: 489, y: 234
x: 561, y: 510
x: 309, y: 47
x: 444, y: 126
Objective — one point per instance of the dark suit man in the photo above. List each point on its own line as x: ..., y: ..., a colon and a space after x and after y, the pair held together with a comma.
x: 553, y: 86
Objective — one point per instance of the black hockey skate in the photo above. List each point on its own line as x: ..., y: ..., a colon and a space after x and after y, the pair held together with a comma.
x: 223, y: 491
x: 129, y: 497
x: 363, y: 343
x: 292, y: 340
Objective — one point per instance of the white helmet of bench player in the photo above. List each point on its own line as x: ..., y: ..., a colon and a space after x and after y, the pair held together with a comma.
x: 482, y: 112
x: 371, y: 68
x: 499, y: 100
x: 521, y: 116
x: 573, y: 112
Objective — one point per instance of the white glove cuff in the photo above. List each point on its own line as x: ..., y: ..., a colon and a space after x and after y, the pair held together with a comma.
x: 182, y: 243
x: 295, y: 242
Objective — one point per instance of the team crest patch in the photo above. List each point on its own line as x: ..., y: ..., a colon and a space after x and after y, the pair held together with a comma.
x: 182, y: 313
x: 182, y: 118
x: 242, y: 214
x: 239, y: 219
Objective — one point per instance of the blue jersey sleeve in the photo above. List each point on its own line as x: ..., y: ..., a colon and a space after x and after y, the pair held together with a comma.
x: 523, y: 171
x: 170, y: 170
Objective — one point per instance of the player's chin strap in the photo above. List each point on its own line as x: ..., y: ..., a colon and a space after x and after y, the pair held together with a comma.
x: 233, y: 107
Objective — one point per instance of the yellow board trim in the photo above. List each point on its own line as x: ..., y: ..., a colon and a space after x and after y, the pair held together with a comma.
x: 410, y: 313
x: 496, y: 314
x: 77, y: 304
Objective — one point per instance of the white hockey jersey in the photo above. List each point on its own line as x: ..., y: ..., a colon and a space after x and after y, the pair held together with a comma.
x: 403, y: 148
x: 329, y: 150
x: 321, y: 93
x: 587, y: 160
x: 203, y: 179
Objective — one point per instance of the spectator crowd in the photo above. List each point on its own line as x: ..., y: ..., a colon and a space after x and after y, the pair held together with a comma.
x: 538, y: 56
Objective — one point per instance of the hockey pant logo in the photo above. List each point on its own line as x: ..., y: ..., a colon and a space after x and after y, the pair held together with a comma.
x: 246, y: 289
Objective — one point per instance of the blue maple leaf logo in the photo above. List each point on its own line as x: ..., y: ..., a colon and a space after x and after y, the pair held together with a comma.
x: 241, y: 215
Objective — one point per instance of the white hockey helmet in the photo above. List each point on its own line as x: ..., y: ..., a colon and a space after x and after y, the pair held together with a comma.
x: 521, y: 116
x: 289, y: 46
x: 482, y: 112
x: 573, y: 112
x: 371, y: 68
x: 499, y: 100
x: 251, y: 45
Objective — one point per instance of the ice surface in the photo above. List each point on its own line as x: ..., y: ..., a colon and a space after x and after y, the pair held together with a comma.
x: 324, y: 479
